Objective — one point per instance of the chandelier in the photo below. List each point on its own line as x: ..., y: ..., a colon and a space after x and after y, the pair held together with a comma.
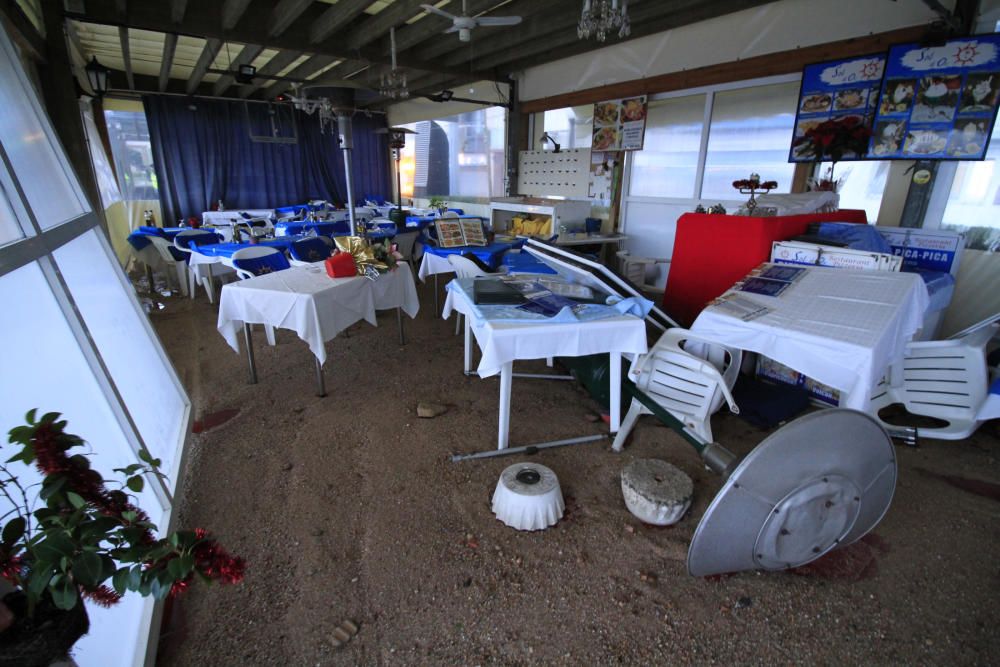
x: 393, y: 82
x: 599, y: 17
x: 321, y: 105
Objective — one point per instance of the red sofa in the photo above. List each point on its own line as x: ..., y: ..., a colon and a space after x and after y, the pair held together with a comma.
x: 711, y: 252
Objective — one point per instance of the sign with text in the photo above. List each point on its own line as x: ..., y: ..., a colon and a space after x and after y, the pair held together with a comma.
x: 832, y: 91
x: 619, y: 125
x: 938, y: 102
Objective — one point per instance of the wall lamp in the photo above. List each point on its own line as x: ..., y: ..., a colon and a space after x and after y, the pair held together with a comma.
x: 97, y: 75
x: 545, y: 136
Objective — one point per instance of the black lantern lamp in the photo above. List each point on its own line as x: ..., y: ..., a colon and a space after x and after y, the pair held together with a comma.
x: 97, y: 75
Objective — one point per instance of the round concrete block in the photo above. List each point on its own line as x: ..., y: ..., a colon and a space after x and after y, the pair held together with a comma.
x: 656, y: 492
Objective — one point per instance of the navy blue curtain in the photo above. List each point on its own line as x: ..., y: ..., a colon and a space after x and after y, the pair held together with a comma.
x: 203, y: 153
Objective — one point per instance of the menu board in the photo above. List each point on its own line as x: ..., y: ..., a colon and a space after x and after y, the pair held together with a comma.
x: 938, y: 102
x: 835, y: 90
x: 619, y: 125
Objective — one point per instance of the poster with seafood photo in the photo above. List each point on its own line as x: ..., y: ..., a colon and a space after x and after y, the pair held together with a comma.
x: 938, y: 102
x: 619, y: 125
x: 833, y: 91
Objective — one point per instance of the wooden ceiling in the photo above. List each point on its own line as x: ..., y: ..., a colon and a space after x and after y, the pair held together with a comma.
x: 184, y: 46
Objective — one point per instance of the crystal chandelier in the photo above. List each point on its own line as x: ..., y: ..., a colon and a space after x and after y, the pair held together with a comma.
x: 599, y: 17
x: 322, y: 105
x: 393, y: 82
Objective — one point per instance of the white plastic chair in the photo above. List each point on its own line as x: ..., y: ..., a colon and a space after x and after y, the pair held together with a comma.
x: 256, y: 227
x: 685, y: 385
x: 162, y: 247
x: 944, y: 379
x: 449, y: 214
x: 405, y: 242
x: 254, y: 252
x: 635, y: 269
x: 181, y: 243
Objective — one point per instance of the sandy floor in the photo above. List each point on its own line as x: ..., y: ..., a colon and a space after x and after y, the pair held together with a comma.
x: 347, y: 507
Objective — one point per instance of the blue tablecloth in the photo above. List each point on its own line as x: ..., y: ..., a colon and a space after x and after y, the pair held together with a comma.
x: 227, y: 249
x: 491, y: 255
x: 320, y: 226
x: 523, y: 262
x: 139, y: 239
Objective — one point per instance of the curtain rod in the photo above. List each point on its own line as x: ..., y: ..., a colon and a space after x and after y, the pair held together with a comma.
x: 132, y: 94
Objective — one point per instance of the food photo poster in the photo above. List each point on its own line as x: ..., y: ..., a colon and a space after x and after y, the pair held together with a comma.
x: 619, y: 125
x: 835, y: 90
x: 938, y: 102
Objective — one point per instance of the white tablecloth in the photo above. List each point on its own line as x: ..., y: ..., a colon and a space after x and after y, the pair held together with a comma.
x: 432, y: 264
x: 225, y: 218
x: 506, y: 341
x: 306, y: 300
x: 841, y: 327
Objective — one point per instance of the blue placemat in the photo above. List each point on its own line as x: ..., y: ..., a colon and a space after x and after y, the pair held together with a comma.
x: 227, y: 249
x: 523, y: 262
x: 491, y: 254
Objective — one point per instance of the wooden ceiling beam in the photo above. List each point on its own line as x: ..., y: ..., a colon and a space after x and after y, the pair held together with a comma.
x: 336, y: 17
x: 245, y: 57
x: 126, y: 56
x: 396, y: 14
x: 202, y: 20
x: 280, y: 61
x: 177, y: 8
x: 232, y: 12
x: 205, y: 60
x: 22, y: 30
x: 303, y: 71
x: 167, y: 61
x: 285, y: 13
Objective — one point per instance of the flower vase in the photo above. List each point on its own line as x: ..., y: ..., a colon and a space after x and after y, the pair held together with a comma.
x: 44, y: 638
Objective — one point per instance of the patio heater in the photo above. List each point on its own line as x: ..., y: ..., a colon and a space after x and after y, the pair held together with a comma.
x: 397, y: 141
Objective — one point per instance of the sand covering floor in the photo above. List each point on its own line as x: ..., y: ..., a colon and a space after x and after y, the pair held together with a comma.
x: 348, y: 508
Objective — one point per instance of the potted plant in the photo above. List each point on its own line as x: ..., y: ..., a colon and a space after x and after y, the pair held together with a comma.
x: 70, y: 538
x: 439, y: 203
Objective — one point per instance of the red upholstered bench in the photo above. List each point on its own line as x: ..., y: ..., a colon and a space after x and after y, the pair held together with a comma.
x: 711, y: 252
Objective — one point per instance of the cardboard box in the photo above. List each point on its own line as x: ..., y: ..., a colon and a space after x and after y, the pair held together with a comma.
x: 819, y: 393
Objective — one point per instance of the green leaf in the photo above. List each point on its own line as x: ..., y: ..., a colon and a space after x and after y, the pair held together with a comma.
x: 13, y: 531
x: 129, y: 516
x: 30, y: 417
x: 135, y: 578
x: 52, y: 485
x: 49, y: 417
x: 119, y: 581
x: 54, y: 548
x: 40, y: 577
x: 21, y: 434
x: 64, y: 594
x: 144, y: 455
x: 159, y: 590
x: 87, y: 568
x: 135, y: 483
x: 75, y: 499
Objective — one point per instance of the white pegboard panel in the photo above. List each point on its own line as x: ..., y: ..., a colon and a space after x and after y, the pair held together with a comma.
x: 544, y: 173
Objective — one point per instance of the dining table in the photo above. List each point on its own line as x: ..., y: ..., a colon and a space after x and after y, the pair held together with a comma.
x: 317, y: 307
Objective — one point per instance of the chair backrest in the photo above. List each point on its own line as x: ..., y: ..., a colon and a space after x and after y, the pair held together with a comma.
x: 166, y: 250
x: 381, y: 223
x: 258, y: 260
x: 405, y: 242
x: 464, y: 267
x: 450, y: 214
x: 309, y: 250
x: 257, y: 226
x: 195, y: 237
x: 947, y: 379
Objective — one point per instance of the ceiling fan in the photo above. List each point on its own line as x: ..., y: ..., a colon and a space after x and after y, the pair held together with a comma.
x: 464, y: 24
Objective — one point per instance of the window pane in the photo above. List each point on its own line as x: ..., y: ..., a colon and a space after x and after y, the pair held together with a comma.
x: 974, y: 201
x: 38, y: 162
x: 132, y: 357
x: 10, y: 230
x: 457, y: 156
x: 570, y: 127
x: 129, y: 136
x: 751, y: 132
x: 52, y: 375
x: 861, y: 184
x: 667, y: 165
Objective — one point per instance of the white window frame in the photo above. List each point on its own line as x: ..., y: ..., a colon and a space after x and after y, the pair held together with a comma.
x: 709, y: 92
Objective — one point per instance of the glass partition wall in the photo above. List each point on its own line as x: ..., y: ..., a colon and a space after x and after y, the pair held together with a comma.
x: 76, y: 340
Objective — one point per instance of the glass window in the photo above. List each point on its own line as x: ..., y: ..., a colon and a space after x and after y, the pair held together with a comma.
x: 133, y: 154
x: 570, y: 127
x: 667, y: 165
x: 153, y: 398
x: 750, y: 134
x: 458, y: 156
x: 860, y: 184
x: 53, y: 196
x: 974, y: 201
x: 10, y: 230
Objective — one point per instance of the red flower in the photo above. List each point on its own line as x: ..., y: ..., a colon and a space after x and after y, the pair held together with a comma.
x: 102, y: 595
